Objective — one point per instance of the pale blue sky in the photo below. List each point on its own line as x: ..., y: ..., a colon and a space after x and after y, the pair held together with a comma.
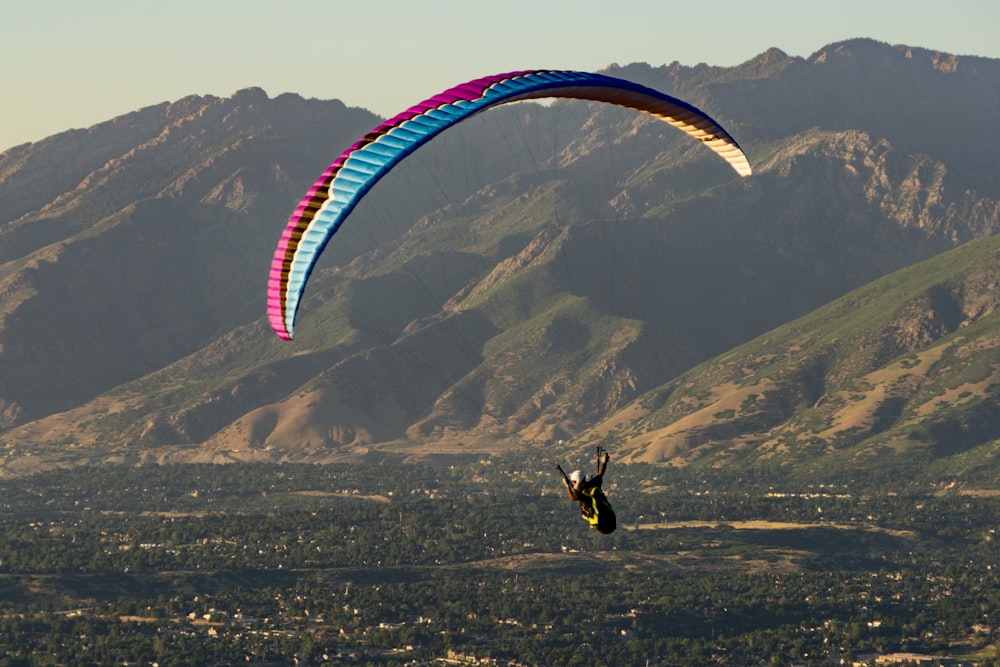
x: 73, y: 63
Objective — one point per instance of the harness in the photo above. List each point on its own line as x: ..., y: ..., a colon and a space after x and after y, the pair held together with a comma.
x: 597, y: 510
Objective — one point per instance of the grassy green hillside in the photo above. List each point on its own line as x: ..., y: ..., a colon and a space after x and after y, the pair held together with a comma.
x: 901, y: 374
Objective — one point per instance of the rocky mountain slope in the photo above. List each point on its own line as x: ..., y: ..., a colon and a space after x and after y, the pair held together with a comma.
x: 899, y: 377
x: 541, y: 273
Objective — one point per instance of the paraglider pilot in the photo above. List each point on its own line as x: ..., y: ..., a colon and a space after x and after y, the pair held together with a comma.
x: 594, y: 505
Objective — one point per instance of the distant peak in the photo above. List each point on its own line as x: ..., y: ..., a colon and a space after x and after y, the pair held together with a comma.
x: 851, y: 48
x: 870, y: 50
x: 252, y: 94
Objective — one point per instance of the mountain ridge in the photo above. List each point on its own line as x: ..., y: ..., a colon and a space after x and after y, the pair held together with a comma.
x: 533, y: 276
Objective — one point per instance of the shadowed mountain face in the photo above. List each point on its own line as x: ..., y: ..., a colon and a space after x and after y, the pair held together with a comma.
x: 539, y: 273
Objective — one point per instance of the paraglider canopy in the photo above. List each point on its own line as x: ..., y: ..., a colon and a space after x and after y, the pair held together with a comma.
x: 335, y: 194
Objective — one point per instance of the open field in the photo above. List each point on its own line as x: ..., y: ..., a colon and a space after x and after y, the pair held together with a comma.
x: 767, y: 525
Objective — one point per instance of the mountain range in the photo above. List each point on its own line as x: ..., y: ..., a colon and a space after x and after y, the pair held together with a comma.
x: 551, y: 275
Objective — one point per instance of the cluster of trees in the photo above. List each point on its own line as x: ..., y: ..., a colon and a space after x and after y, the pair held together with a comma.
x: 389, y: 565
